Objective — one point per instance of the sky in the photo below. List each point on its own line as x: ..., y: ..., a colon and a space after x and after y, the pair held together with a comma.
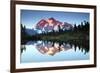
x: 30, y: 18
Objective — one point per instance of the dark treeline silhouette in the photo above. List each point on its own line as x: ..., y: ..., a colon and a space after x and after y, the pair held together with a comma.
x: 83, y: 27
x: 26, y: 37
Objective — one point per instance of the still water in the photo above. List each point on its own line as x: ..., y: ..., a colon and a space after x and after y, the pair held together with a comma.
x: 47, y: 51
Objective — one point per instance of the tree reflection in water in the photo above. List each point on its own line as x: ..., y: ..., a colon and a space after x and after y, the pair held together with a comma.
x: 23, y: 48
x: 52, y: 47
x: 81, y: 45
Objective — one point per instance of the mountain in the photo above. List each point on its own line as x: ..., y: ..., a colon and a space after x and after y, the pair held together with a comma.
x: 52, y: 24
x: 31, y: 31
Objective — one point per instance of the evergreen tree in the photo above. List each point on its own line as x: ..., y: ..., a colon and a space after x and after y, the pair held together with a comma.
x: 75, y: 27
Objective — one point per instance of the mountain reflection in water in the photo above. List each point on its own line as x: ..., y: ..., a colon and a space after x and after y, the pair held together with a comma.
x: 52, y: 48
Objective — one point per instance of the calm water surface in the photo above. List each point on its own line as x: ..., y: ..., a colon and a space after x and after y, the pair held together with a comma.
x: 47, y: 51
